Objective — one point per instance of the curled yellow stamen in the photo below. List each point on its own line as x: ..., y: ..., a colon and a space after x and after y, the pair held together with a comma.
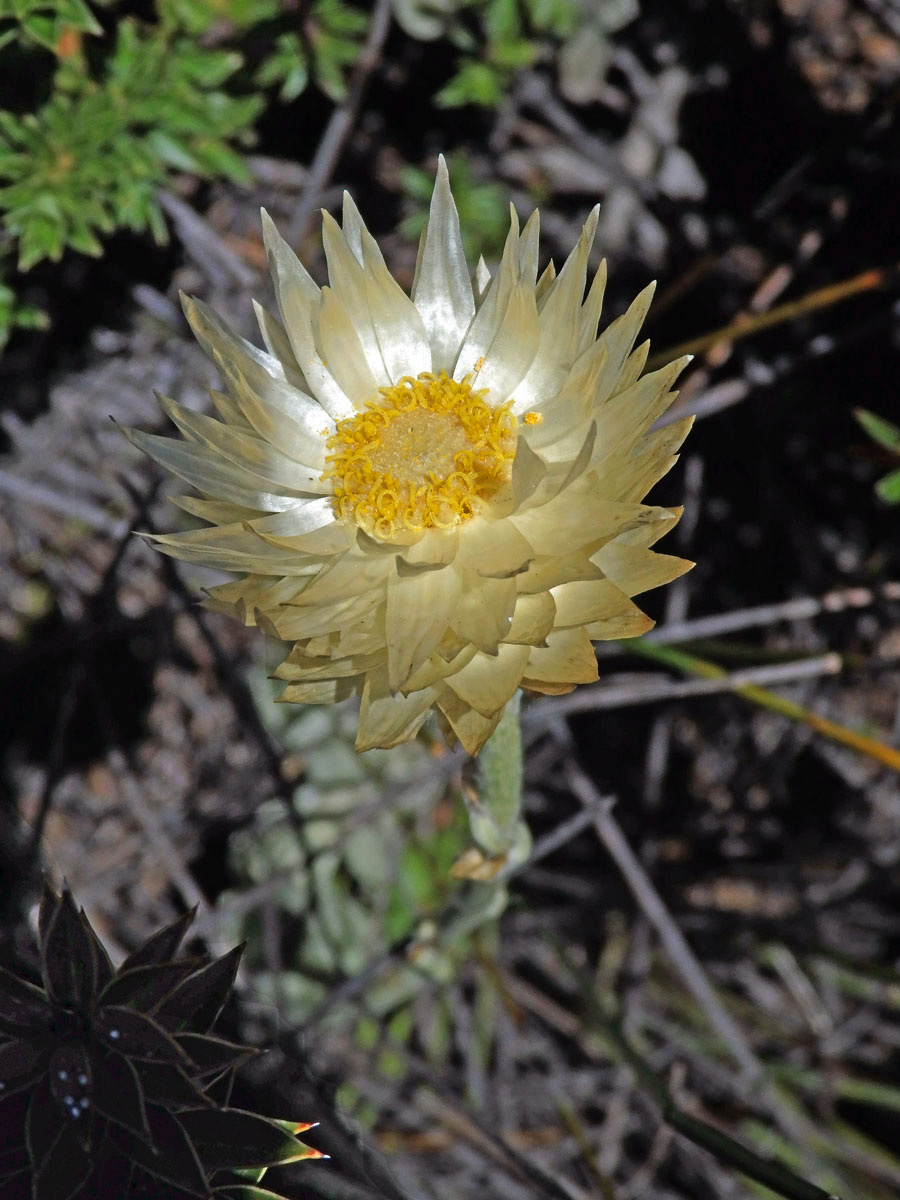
x: 427, y: 453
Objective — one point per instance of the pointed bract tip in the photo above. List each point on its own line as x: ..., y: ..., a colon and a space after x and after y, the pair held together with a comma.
x: 189, y: 305
x: 589, y: 229
x: 441, y: 181
x: 268, y: 225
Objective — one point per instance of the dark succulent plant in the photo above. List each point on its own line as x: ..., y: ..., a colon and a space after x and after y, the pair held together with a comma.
x: 111, y: 1085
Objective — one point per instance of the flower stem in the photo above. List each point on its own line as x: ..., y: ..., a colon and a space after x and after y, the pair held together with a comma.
x: 495, y: 807
x: 500, y: 767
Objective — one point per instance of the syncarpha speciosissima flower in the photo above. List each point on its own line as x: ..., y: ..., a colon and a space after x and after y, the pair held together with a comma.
x: 438, y: 499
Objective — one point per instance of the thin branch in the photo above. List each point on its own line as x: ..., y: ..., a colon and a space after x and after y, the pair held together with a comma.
x: 698, y: 400
x: 155, y: 833
x: 874, y: 279
x: 206, y: 246
x: 720, y: 1144
x: 565, y: 832
x: 603, y: 696
x: 685, y: 962
x: 673, y: 940
x: 71, y: 693
x: 340, y: 125
x: 802, y: 608
x: 714, y: 1140
x: 68, y: 506
x: 497, y: 1149
x: 76, y: 675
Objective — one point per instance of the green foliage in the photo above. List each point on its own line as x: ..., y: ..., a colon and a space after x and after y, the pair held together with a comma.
x: 14, y: 314
x: 496, y: 38
x: 128, y: 104
x: 322, y: 50
x: 888, y: 487
x: 886, y: 435
x: 109, y: 1079
x: 94, y: 156
x: 483, y: 207
x: 122, y: 111
x: 129, y: 101
x: 361, y: 862
x: 46, y: 23
x: 200, y: 16
x: 880, y: 430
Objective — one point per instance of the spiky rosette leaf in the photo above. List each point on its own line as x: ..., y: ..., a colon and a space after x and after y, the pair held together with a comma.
x: 106, y: 1076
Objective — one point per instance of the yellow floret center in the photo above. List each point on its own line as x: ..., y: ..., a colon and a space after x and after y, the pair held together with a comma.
x: 427, y: 453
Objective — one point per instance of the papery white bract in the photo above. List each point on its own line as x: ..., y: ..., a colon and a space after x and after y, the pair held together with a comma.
x: 438, y: 499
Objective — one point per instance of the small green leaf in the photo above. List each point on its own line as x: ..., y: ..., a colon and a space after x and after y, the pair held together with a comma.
x: 81, y: 239
x: 77, y: 14
x: 41, y: 29
x: 172, y: 151
x: 879, y: 430
x: 40, y: 239
x: 559, y: 17
x: 888, y: 488
x: 474, y: 83
x: 513, y: 55
x: 246, y: 1191
x: 502, y: 20
x: 217, y: 158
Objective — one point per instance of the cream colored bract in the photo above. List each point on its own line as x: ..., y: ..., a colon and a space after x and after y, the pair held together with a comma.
x: 437, y: 499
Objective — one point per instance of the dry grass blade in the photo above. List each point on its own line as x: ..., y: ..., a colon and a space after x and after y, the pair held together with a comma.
x: 875, y: 279
x: 673, y: 940
x: 692, y: 665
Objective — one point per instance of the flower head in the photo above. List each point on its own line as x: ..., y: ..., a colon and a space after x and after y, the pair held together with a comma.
x: 437, y: 498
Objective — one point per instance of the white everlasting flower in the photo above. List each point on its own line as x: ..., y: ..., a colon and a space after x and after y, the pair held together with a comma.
x: 437, y: 499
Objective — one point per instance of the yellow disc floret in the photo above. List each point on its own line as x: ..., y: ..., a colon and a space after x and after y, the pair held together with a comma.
x: 425, y: 454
